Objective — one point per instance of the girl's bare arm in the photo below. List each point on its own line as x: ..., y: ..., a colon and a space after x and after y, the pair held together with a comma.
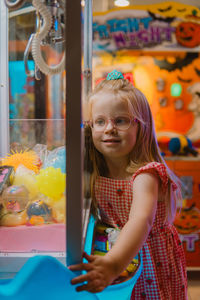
x: 102, y: 270
x: 136, y: 230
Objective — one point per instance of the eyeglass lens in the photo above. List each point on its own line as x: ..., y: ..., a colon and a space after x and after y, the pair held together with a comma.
x: 121, y: 123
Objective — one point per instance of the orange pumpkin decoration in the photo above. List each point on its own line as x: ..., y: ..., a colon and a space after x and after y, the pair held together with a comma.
x: 188, y: 220
x: 188, y: 34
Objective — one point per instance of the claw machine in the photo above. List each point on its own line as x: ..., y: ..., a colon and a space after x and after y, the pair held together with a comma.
x: 45, y: 219
x: 33, y: 147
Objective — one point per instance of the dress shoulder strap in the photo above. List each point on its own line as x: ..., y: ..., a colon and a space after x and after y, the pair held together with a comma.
x: 159, y: 169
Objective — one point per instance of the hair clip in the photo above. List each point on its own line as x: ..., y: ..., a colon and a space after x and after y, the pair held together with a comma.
x: 114, y: 75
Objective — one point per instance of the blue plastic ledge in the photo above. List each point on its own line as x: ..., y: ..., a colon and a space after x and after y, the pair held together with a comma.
x: 45, y: 278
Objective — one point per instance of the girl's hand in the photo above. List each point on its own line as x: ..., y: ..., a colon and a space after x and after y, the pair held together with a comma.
x: 100, y: 273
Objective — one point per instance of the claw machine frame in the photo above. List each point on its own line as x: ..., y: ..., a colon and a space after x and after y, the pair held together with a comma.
x: 4, y: 107
x: 11, y: 261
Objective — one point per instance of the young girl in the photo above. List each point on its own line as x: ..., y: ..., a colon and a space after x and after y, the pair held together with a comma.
x: 134, y: 191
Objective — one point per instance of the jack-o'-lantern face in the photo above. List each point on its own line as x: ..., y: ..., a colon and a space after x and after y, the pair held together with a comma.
x: 188, y: 34
x: 187, y: 221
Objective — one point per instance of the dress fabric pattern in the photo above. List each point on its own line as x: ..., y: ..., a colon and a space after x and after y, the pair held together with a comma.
x: 164, y: 267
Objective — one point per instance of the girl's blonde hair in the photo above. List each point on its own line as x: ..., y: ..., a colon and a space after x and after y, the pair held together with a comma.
x: 146, y: 148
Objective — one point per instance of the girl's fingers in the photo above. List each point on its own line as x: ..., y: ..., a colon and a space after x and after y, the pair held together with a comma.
x: 80, y: 267
x: 89, y: 258
x: 79, y: 279
x: 92, y: 284
x: 81, y: 288
x: 87, y: 287
x: 74, y: 267
x: 90, y: 287
x: 83, y: 266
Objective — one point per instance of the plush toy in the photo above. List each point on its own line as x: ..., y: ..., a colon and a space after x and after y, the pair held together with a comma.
x: 182, y: 146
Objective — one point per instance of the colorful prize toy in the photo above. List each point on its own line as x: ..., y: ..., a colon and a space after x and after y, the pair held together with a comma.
x: 51, y: 183
x: 59, y: 210
x: 104, y: 239
x: 12, y: 219
x: 5, y: 177
x: 26, y: 177
x: 56, y: 159
x: 15, y: 198
x: 38, y: 213
x: 27, y: 158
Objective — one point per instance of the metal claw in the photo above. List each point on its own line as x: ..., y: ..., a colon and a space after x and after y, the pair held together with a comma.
x: 26, y: 55
x: 37, y: 73
x: 14, y: 5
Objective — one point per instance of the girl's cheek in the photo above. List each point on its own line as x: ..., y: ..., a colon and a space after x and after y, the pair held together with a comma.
x: 96, y: 136
x: 97, y: 142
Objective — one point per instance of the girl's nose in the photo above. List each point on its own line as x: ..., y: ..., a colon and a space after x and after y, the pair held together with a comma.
x: 110, y: 126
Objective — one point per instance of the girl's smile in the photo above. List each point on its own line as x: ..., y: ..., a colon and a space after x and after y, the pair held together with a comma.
x: 112, y: 140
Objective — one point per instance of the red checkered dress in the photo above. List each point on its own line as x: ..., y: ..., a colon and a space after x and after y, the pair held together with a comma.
x: 164, y: 269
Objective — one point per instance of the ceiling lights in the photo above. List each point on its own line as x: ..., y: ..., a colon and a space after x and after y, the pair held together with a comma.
x: 122, y: 3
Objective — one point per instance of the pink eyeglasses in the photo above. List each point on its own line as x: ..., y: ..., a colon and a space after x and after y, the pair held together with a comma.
x: 121, y: 123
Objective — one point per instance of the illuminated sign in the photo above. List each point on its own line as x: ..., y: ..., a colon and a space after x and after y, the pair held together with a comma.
x: 155, y: 27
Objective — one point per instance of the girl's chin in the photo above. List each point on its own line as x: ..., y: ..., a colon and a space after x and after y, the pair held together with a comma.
x: 112, y: 153
x: 111, y: 145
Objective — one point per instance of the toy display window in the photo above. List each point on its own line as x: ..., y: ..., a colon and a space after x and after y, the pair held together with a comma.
x: 33, y: 145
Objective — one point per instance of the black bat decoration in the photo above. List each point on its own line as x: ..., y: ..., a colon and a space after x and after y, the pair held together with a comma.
x: 197, y: 71
x: 184, y: 80
x: 155, y: 18
x: 179, y: 63
x: 165, y: 9
x: 189, y: 208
